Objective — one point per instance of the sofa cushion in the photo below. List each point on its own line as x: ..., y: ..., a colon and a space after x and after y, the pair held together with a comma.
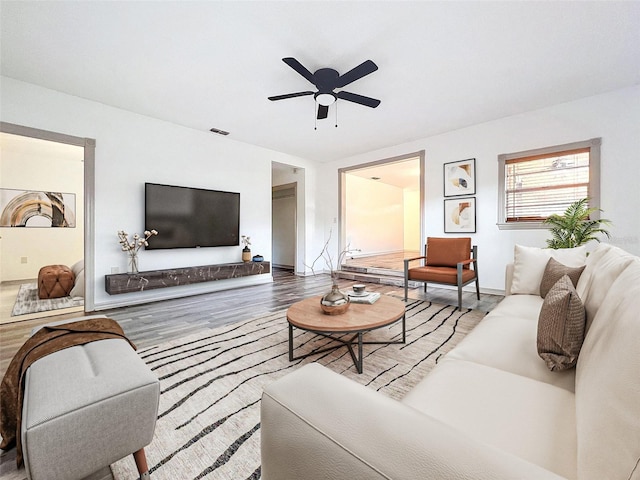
x: 603, y: 266
x: 608, y: 384
x: 530, y: 419
x: 521, y: 306
x: 440, y: 274
x: 561, y: 326
x: 554, y: 271
x: 507, y: 342
x: 530, y: 262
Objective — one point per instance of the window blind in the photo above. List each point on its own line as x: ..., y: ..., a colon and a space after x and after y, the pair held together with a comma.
x: 541, y: 185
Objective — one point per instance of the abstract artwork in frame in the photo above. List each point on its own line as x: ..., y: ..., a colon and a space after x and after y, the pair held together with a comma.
x: 460, y: 178
x: 460, y: 215
x: 30, y: 208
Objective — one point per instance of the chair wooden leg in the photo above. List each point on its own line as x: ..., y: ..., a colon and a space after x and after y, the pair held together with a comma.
x: 141, y: 463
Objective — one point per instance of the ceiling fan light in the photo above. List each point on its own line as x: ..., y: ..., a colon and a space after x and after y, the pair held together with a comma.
x: 325, y: 99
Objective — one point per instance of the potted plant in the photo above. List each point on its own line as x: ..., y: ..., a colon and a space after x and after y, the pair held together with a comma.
x: 575, y: 227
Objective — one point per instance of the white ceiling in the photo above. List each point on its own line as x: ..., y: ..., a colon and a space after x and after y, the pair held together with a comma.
x: 442, y: 65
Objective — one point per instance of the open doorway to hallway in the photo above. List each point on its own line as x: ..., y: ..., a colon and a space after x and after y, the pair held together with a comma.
x: 41, y: 169
x: 381, y: 213
x: 288, y: 217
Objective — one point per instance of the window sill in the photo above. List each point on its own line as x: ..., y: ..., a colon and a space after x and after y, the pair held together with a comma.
x: 522, y: 226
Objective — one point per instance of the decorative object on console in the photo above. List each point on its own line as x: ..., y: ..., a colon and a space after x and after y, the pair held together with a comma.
x: 258, y: 258
x: 460, y: 215
x: 132, y: 247
x: 460, y: 178
x: 575, y: 226
x: 246, y: 251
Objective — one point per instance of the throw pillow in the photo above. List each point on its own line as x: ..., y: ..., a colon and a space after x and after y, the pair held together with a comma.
x: 529, y: 264
x: 77, y: 267
x: 561, y: 326
x: 554, y: 271
x: 78, y: 287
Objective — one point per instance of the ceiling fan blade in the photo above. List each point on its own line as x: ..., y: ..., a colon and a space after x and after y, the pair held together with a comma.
x: 365, y: 68
x: 323, y: 111
x: 290, y: 95
x: 355, y: 98
x: 298, y: 67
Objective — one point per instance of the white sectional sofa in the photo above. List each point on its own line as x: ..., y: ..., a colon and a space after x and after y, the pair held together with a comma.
x: 491, y: 409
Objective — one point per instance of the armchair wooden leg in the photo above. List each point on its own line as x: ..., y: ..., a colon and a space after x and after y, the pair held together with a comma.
x: 141, y: 464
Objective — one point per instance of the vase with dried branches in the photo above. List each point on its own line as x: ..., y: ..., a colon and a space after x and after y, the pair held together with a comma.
x: 132, y: 247
x: 335, y: 301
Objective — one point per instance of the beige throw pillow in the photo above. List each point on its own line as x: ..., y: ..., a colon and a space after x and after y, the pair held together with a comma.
x: 554, y: 271
x: 561, y: 326
x: 529, y: 264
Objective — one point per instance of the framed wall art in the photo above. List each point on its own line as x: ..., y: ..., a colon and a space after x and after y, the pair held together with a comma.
x: 460, y: 215
x: 460, y: 178
x: 29, y: 208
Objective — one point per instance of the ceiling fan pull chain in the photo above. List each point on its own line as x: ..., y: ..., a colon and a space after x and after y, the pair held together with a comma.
x: 315, y: 117
x: 336, y: 105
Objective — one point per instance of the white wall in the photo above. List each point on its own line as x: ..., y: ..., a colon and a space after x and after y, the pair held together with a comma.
x: 133, y: 149
x: 374, y: 216
x: 412, y: 240
x: 43, y: 166
x: 614, y: 116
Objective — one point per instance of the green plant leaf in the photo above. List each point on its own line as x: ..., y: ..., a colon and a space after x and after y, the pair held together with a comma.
x: 574, y: 227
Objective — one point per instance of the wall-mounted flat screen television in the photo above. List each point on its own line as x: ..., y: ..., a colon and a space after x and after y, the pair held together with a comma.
x: 191, y: 217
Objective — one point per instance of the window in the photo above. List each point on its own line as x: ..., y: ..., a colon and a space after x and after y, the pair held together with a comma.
x: 538, y: 183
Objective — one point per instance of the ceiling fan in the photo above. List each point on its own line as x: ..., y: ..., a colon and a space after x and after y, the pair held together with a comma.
x: 326, y: 80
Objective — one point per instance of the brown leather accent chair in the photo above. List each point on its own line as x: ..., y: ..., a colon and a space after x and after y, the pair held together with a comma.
x: 447, y: 261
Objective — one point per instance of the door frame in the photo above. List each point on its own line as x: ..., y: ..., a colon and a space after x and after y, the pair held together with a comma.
x: 288, y: 186
x: 342, y: 234
x: 89, y: 146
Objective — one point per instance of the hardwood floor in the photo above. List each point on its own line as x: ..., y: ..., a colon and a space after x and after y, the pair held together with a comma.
x: 390, y: 261
x: 157, y: 322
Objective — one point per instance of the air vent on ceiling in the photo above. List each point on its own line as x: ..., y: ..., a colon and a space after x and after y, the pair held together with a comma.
x: 218, y: 131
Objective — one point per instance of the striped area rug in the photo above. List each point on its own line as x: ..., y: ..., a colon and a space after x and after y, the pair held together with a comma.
x: 211, y: 383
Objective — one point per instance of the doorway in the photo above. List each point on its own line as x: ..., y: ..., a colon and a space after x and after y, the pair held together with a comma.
x: 39, y: 161
x: 283, y: 226
x: 381, y: 212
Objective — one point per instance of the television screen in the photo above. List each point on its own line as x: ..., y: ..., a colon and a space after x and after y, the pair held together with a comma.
x: 191, y: 217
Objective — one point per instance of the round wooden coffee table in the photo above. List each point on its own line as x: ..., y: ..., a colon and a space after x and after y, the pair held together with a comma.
x: 359, y: 319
